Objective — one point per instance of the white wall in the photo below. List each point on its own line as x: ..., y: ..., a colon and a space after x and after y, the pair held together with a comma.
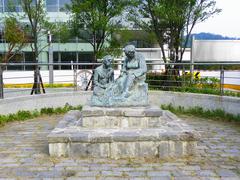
x: 187, y: 100
x: 216, y: 50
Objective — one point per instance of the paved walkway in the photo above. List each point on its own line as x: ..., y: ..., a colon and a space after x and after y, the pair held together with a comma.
x: 24, y: 155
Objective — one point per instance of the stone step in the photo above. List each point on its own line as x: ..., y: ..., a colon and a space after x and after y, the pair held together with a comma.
x: 141, y: 117
x: 81, y: 134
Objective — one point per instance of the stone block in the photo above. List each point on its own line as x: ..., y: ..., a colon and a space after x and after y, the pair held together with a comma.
x: 122, y: 150
x: 100, y: 122
x: 146, y: 149
x: 125, y: 136
x: 115, y: 122
x: 148, y: 135
x: 135, y: 122
x: 153, y: 112
x: 114, y: 112
x: 87, y: 122
x: 164, y: 149
x: 80, y: 136
x: 100, y: 137
x: 134, y: 113
x: 91, y: 113
x: 89, y: 150
x: 191, y: 148
x: 179, y: 149
x: 155, y: 122
x: 58, y: 149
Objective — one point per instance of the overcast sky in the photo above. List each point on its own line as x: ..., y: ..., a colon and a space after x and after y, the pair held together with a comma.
x: 227, y: 23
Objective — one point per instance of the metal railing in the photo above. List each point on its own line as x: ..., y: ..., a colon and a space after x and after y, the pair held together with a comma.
x: 211, y: 78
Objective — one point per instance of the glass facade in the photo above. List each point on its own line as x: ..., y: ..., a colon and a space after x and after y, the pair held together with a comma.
x: 62, y: 4
x: 56, y: 5
x: 11, y: 5
x: 52, y: 5
x: 15, y: 5
x: 85, y: 56
x: 1, y: 6
x: 66, y: 57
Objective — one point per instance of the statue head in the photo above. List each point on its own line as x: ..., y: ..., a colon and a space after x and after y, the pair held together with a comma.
x: 107, y: 61
x: 129, y: 50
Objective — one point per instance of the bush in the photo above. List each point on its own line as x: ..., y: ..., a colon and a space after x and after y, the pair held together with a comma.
x: 24, y: 115
x: 186, y: 83
x: 217, y: 114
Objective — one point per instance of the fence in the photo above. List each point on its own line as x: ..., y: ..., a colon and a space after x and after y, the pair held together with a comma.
x: 210, y: 78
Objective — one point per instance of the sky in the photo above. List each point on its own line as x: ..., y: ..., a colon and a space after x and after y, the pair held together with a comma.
x: 227, y: 23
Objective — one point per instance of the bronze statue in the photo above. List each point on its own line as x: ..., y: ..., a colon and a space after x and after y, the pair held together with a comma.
x: 103, y: 76
x: 129, y: 89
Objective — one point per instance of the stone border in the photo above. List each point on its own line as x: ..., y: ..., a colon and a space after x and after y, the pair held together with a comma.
x: 209, y: 102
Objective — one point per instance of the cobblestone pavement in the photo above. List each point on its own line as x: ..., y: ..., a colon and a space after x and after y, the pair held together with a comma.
x: 24, y: 155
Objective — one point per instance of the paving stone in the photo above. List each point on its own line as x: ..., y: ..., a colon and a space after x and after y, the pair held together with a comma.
x: 226, y: 173
x: 162, y: 178
x: 81, y: 178
x: 186, y: 178
x: 135, y: 173
x: 158, y: 173
x: 87, y: 173
x: 111, y: 173
x: 206, y: 173
x: 24, y: 155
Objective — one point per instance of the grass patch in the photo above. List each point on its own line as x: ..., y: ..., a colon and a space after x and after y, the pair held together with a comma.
x: 24, y: 115
x: 217, y: 114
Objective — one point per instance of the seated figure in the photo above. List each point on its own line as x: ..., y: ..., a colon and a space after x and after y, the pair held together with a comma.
x: 103, y: 77
x: 133, y: 71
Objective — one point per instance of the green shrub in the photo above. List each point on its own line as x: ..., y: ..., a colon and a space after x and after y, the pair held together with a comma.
x: 217, y: 114
x: 24, y: 115
x: 185, y: 83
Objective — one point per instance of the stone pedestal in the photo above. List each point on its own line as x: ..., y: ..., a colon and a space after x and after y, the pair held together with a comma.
x: 122, y: 133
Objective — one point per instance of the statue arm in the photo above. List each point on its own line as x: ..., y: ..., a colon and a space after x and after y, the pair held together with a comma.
x: 124, y: 67
x: 142, y: 67
x: 95, y: 79
x: 111, y: 77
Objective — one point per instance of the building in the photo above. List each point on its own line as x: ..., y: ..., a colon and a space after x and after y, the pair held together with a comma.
x: 75, y: 50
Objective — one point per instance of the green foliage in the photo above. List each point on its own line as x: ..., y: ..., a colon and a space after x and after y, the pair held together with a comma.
x: 186, y: 83
x: 13, y: 32
x: 172, y: 20
x: 35, y: 13
x: 95, y: 21
x: 24, y: 115
x: 62, y: 31
x: 216, y: 114
x: 16, y: 37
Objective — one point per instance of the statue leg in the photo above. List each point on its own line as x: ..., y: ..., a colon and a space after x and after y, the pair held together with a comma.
x: 129, y: 81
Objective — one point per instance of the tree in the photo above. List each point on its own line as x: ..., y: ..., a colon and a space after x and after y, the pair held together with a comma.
x: 172, y: 21
x: 16, y: 39
x: 35, y: 13
x: 95, y: 21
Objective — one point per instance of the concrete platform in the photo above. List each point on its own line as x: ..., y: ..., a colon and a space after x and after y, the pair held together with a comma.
x: 122, y: 133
